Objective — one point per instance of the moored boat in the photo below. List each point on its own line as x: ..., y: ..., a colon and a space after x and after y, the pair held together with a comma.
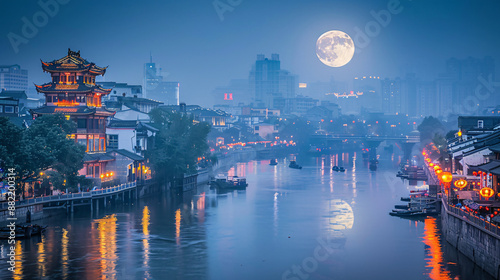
x: 229, y: 182
x: 273, y: 162
x: 294, y: 165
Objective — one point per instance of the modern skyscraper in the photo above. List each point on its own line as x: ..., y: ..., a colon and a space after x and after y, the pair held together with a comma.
x: 269, y: 82
x: 12, y: 77
x: 156, y: 88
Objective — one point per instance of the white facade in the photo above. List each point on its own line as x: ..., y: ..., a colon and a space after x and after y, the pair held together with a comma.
x: 12, y: 77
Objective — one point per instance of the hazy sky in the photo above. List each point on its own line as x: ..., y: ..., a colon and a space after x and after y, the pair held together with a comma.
x: 191, y: 42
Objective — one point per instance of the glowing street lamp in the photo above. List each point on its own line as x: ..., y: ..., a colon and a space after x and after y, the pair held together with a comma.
x: 460, y: 183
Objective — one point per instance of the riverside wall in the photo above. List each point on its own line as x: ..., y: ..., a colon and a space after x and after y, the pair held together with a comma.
x: 474, y: 241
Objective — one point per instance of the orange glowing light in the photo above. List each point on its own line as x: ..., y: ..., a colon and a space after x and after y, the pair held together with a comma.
x: 428, y: 159
x: 460, y: 183
x: 423, y: 153
x: 459, y: 133
x: 487, y: 192
x: 111, y: 174
x: 436, y: 167
x: 66, y: 103
x: 439, y: 171
x: 446, y: 177
x: 102, y: 175
x: 431, y: 164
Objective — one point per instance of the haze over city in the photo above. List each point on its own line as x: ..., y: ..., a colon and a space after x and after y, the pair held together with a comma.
x: 238, y: 139
x: 191, y: 42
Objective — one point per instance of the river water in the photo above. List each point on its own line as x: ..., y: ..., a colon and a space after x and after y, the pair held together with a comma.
x: 289, y: 224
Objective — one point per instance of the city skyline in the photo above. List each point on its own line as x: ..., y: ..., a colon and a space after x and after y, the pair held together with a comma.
x: 398, y: 47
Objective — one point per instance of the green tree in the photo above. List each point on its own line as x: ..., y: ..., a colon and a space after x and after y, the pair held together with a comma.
x: 10, y: 137
x: 429, y: 127
x: 179, y: 143
x: 46, y: 145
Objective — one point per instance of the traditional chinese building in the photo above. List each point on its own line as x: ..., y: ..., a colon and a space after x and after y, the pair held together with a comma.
x: 74, y: 93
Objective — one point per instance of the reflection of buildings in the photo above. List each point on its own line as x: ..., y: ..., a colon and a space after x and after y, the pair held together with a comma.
x: 435, y: 261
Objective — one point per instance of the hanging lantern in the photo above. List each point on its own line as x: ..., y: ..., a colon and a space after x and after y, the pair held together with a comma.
x: 439, y: 171
x: 431, y: 164
x: 486, y: 192
x: 436, y: 167
x: 460, y: 183
x: 428, y: 159
x: 446, y: 177
x: 474, y: 173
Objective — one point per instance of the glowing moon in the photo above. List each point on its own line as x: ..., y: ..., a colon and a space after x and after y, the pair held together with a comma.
x: 335, y: 48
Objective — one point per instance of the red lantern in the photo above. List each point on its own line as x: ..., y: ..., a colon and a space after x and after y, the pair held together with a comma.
x: 460, y: 183
x: 474, y: 173
x: 446, y: 177
x: 486, y: 192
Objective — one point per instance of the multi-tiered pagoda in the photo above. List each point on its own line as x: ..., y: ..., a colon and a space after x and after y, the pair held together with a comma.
x: 74, y: 93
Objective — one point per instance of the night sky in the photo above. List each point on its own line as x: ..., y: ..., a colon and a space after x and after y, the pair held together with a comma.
x: 191, y: 42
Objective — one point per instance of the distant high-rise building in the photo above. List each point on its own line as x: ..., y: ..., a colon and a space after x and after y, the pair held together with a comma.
x: 391, y: 96
x: 269, y: 82
x: 236, y: 92
x: 370, y: 86
x: 465, y: 87
x: 156, y: 88
x: 12, y: 77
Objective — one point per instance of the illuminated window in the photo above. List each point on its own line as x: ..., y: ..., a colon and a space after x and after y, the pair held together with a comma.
x: 480, y: 124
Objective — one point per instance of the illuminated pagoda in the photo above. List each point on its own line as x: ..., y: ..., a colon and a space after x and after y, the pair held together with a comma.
x: 74, y: 93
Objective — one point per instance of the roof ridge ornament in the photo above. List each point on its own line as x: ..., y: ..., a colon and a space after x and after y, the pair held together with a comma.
x: 72, y: 53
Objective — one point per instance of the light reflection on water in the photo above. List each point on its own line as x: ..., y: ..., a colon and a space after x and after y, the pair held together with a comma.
x: 254, y: 234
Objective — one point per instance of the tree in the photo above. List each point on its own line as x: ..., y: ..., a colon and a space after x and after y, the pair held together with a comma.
x: 179, y: 143
x: 10, y: 137
x: 46, y: 145
x: 429, y: 127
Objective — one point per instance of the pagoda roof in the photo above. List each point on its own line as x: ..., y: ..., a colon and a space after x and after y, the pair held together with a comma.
x: 77, y: 110
x: 73, y: 63
x: 73, y: 88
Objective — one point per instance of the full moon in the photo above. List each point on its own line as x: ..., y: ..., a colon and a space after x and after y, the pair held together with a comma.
x: 335, y: 48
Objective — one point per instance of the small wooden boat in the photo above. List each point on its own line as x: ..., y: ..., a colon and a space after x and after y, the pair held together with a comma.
x: 413, y: 213
x: 18, y: 231
x: 294, y: 165
x: 338, y: 169
x: 273, y: 162
x: 229, y: 182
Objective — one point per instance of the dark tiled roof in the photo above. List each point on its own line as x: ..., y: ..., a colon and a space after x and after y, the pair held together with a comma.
x: 83, y: 110
x: 98, y: 157
x: 128, y: 154
x: 122, y: 123
x: 17, y: 94
x: 72, y: 88
x: 487, y: 166
x: 71, y: 63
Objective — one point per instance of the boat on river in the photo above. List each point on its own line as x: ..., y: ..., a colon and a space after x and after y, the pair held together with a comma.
x: 294, y: 165
x: 273, y: 162
x: 338, y: 169
x: 414, y: 213
x: 229, y: 182
x: 22, y: 231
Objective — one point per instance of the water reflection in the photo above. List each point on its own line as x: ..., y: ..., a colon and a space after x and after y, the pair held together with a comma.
x: 64, y: 253
x: 178, y: 226
x: 41, y: 258
x: 107, y: 246
x: 435, y: 262
x: 18, y: 271
x: 145, y: 241
x: 340, y: 215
